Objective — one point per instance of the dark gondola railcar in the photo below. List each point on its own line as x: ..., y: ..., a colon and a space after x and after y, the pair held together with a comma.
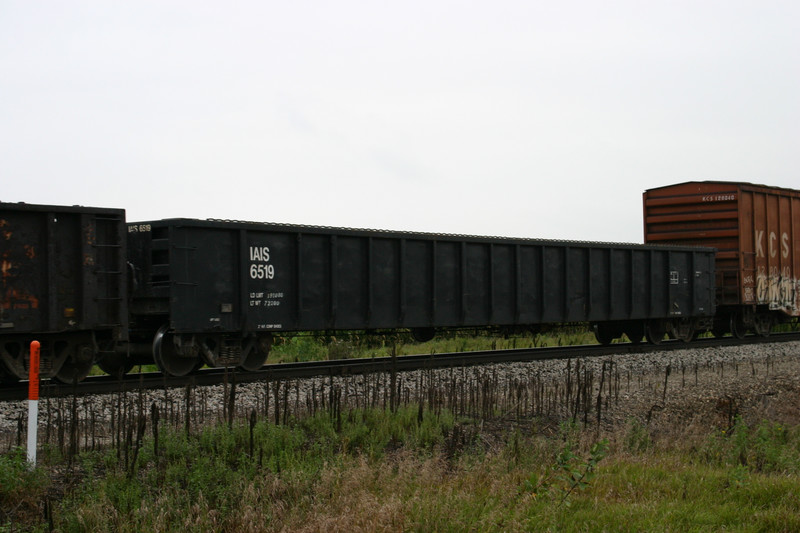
x: 216, y: 291
x: 63, y: 283
x: 756, y: 229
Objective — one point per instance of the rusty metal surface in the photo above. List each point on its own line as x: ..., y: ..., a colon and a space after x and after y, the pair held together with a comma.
x: 62, y: 283
x: 756, y: 229
x: 59, y: 266
x: 23, y: 283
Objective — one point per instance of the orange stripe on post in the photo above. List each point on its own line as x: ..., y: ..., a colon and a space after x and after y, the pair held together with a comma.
x: 33, y: 401
x: 33, y: 372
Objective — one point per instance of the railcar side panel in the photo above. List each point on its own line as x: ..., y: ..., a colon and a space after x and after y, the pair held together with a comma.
x: 503, y: 280
x: 554, y: 283
x: 224, y: 276
x: 619, y: 283
x: 416, y: 283
x: 477, y: 289
x: 530, y: 290
x: 385, y: 296
x: 447, y: 282
x: 314, y: 275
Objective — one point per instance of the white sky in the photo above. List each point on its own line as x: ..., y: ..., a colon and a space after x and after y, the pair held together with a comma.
x: 525, y: 118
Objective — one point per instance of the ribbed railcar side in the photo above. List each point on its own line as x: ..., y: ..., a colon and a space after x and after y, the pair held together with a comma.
x: 64, y: 284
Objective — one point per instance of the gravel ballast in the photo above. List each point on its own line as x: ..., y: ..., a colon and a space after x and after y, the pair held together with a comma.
x: 700, y: 387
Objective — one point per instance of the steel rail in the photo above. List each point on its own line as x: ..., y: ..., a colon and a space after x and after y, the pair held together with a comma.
x: 345, y: 367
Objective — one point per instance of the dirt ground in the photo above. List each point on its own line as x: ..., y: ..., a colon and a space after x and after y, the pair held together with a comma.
x: 754, y: 387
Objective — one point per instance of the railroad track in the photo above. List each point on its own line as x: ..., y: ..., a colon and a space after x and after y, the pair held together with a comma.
x: 283, y: 371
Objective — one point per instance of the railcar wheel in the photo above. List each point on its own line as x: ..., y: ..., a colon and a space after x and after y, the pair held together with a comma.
x: 423, y: 334
x: 655, y: 331
x: 257, y: 354
x: 170, y: 359
x: 763, y: 324
x: 77, y: 367
x: 15, y: 361
x: 738, y: 327
x: 605, y: 334
x: 684, y: 330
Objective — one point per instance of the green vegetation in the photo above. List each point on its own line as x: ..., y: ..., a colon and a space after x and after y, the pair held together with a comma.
x: 21, y: 489
x: 412, y: 469
x: 346, y: 345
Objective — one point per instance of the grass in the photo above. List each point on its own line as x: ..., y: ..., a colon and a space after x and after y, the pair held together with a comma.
x: 307, y: 347
x: 414, y: 470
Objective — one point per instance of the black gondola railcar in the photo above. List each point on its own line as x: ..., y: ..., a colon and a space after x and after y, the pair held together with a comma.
x: 216, y: 291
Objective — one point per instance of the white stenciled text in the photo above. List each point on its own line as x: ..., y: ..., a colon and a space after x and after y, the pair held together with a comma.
x: 260, y: 267
x: 769, y: 243
x: 139, y: 228
x: 719, y: 197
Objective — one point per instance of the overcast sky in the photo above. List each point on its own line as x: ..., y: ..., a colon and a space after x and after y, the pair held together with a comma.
x: 524, y: 118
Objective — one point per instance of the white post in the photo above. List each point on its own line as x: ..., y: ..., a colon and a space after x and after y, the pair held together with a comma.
x: 33, y: 402
x: 33, y: 426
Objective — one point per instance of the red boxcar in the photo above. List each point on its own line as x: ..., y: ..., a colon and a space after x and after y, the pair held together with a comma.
x: 756, y: 230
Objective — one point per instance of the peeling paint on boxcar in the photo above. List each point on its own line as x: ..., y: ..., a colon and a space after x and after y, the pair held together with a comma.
x: 14, y: 299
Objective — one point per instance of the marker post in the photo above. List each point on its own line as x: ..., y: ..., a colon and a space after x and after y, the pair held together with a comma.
x: 33, y: 402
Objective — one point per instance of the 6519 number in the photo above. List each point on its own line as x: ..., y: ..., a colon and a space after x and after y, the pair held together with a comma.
x: 262, y: 271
